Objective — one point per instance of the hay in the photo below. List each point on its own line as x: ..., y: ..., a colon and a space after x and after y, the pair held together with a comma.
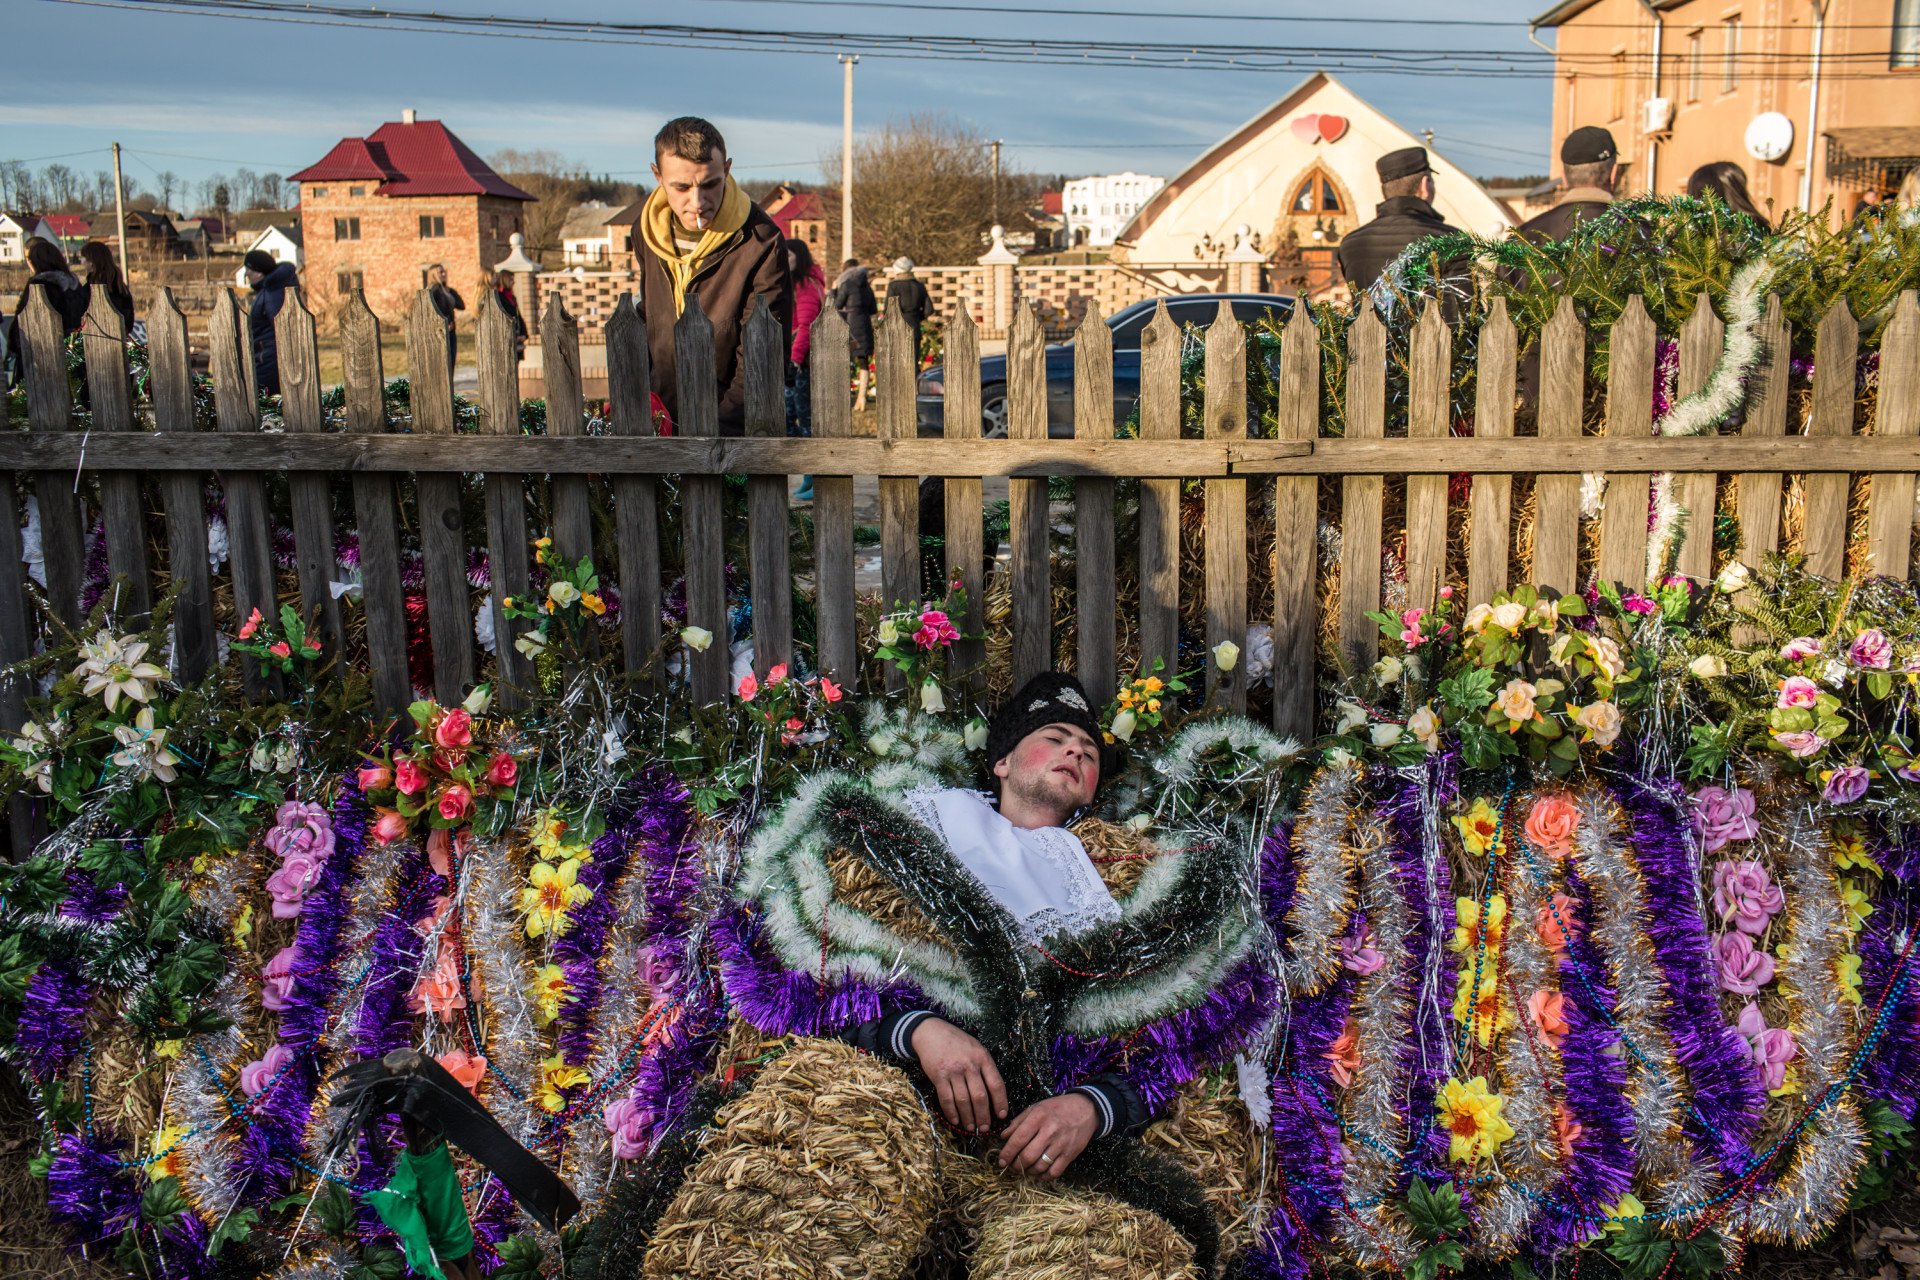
x: 1038, y: 1231
x: 1120, y: 854
x: 1206, y: 1131
x: 863, y: 889
x: 827, y: 1167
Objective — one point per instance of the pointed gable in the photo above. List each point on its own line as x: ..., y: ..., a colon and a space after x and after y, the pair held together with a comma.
x: 422, y: 158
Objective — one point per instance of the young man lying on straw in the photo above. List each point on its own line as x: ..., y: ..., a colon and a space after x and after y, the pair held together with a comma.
x: 973, y: 1020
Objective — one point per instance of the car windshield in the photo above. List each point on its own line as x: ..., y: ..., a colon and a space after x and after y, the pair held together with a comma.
x: 1189, y: 311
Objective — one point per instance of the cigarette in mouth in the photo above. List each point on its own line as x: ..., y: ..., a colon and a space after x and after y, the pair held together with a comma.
x: 700, y: 222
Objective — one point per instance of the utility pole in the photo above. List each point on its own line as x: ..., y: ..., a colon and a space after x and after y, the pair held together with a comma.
x: 995, y: 144
x: 1428, y: 133
x: 120, y: 211
x: 847, y: 60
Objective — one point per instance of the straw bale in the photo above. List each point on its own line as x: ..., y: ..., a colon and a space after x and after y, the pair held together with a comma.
x: 128, y: 1080
x: 1120, y: 854
x: 1206, y: 1131
x: 863, y: 889
x: 1040, y: 1231
x: 826, y: 1167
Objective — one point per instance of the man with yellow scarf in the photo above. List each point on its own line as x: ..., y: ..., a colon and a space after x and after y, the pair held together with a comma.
x: 699, y: 236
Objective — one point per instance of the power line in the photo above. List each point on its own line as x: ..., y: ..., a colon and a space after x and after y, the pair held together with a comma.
x: 64, y: 155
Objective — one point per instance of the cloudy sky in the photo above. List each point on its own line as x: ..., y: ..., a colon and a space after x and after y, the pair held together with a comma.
x: 199, y: 94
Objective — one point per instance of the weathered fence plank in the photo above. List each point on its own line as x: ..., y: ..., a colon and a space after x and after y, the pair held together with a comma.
x: 899, y: 495
x: 1360, y: 495
x: 50, y: 408
x: 443, y: 532
x: 182, y: 494
x: 966, y: 553
x: 636, y: 498
x: 1027, y: 500
x: 1296, y: 543
x: 833, y: 596
x: 1897, y: 413
x: 1491, y: 511
x: 104, y: 340
x: 1835, y: 361
x: 701, y: 497
x: 1094, y: 571
x: 1428, y: 419
x: 1226, y: 512
x: 16, y: 645
x: 375, y: 511
x: 308, y: 491
x: 566, y: 416
x: 1702, y: 338
x: 1160, y: 499
x: 770, y: 576
x: 1556, y: 498
x: 1759, y: 491
x: 510, y: 576
x: 237, y: 413
x: 1623, y: 512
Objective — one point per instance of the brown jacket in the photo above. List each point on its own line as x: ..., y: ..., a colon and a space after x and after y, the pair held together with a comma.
x: 1576, y: 206
x: 753, y: 266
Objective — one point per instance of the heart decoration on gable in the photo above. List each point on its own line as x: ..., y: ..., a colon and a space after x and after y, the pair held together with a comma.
x: 1319, y: 128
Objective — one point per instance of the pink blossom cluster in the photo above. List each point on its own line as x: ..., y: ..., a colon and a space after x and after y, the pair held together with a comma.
x: 302, y: 836
x: 1722, y: 815
x: 936, y: 629
x: 1745, y: 896
x: 1772, y: 1047
x: 629, y: 1123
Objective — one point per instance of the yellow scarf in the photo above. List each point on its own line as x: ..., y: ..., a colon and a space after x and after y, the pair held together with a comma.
x: 656, y: 231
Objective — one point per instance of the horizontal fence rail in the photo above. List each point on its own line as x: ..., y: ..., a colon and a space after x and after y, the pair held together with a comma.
x: 1283, y: 528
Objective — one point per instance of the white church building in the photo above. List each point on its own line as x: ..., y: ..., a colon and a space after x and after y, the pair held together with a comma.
x: 1095, y: 209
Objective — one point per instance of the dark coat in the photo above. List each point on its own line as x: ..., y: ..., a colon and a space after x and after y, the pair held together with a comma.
x: 446, y: 300
x: 908, y: 297
x: 1398, y: 221
x: 69, y: 298
x: 268, y: 297
x: 1557, y: 223
x: 853, y: 299
x: 753, y: 266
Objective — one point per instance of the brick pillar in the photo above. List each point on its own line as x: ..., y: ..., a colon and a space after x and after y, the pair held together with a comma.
x: 997, y: 305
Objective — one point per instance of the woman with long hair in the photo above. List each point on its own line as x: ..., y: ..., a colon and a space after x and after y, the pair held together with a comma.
x: 1727, y: 182
x: 102, y: 269
x: 64, y: 291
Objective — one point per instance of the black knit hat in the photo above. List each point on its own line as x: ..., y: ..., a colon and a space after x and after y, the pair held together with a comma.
x: 1051, y: 697
x: 260, y: 260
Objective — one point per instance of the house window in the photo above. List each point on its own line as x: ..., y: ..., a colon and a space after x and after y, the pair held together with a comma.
x: 316, y: 191
x: 346, y: 228
x: 1619, y: 108
x: 432, y: 226
x: 1906, y: 33
x: 347, y: 281
x: 1696, y: 57
x: 1730, y: 56
x: 1315, y: 194
x: 356, y: 191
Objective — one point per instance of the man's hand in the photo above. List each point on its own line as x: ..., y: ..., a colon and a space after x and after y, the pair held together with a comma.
x: 972, y: 1096
x: 1050, y: 1135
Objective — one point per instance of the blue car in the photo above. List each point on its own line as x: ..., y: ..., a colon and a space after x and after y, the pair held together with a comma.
x: 1127, y: 325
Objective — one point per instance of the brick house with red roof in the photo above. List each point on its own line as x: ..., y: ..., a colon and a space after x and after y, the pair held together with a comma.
x: 800, y: 216
x: 376, y: 212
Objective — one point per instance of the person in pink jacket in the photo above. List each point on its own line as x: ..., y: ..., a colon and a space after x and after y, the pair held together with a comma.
x: 809, y: 296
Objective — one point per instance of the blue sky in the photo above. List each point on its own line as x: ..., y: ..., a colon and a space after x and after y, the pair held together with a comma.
x: 198, y: 95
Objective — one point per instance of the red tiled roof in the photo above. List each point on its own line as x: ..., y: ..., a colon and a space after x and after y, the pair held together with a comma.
x: 419, y: 159
x: 797, y: 207
x: 68, y: 225
x: 1050, y: 203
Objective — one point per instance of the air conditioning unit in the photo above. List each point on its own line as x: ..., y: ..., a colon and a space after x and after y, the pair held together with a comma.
x: 1657, y: 115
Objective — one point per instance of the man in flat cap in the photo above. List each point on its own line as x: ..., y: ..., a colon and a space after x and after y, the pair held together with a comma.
x: 1590, y: 169
x: 1405, y: 216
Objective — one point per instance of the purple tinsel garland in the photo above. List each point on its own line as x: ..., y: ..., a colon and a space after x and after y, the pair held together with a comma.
x: 1593, y: 1078
x: 782, y: 1001
x: 263, y: 1154
x: 1306, y: 1131
x: 1726, y: 1092
x: 1892, y: 1074
x: 1426, y: 1056
x: 580, y: 950
x: 53, y: 1009
x: 88, y: 1191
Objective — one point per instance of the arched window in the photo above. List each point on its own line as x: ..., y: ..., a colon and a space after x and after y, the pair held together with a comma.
x: 1315, y: 193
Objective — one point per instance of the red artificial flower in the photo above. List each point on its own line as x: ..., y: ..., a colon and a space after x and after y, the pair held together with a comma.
x: 409, y: 776
x: 455, y: 729
x: 456, y: 802
x: 748, y: 687
x: 375, y: 777
x: 280, y: 649
x: 388, y: 825
x: 251, y: 625
x: 502, y: 770
x: 776, y: 673
x: 829, y: 690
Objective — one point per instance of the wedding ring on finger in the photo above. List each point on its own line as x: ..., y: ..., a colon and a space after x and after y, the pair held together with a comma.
x: 1045, y: 1158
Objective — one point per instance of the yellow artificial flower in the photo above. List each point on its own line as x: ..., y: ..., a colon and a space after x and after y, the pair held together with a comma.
x: 1850, y: 978
x: 168, y: 1048
x: 243, y: 923
x: 592, y: 603
x: 1789, y: 1085
x: 552, y: 892
x: 556, y: 1076
x: 1858, y: 904
x: 549, y: 992
x: 1466, y: 934
x: 1153, y: 684
x: 1629, y: 1209
x: 168, y: 1154
x: 1490, y: 1015
x: 1472, y: 1116
x: 551, y: 840
x: 1850, y: 851
x: 1477, y: 826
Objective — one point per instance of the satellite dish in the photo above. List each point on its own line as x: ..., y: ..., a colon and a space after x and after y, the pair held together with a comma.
x: 1770, y: 136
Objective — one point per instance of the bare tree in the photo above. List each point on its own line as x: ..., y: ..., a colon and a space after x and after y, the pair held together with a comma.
x: 271, y: 190
x: 169, y: 183
x: 11, y: 173
x: 557, y: 185
x: 62, y: 186
x: 102, y: 188
x: 923, y: 189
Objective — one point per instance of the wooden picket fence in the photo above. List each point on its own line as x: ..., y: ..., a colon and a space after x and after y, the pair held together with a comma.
x: 133, y: 458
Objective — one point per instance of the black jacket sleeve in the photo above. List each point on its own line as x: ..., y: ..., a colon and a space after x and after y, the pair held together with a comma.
x: 889, y: 1036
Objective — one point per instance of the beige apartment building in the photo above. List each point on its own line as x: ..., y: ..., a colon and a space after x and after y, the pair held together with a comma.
x: 1817, y: 101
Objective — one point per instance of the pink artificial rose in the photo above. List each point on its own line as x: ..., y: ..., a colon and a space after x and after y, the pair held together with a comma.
x: 1800, y: 648
x: 388, y: 825
x: 468, y: 1069
x: 297, y: 874
x: 456, y: 802
x: 1552, y: 923
x: 1745, y: 896
x: 301, y: 828
x: 409, y: 776
x: 1801, y: 743
x: 629, y: 1124
x: 502, y: 770
x: 1773, y: 1047
x: 276, y: 980
x: 1723, y: 815
x: 375, y: 777
x: 438, y: 990
x: 1872, y: 649
x: 440, y: 851
x: 251, y: 625
x: 1358, y: 954
x: 747, y: 688
x: 776, y: 673
x: 1744, y: 968
x: 1798, y: 691
x: 1634, y: 602
x: 935, y: 629
x: 454, y: 730
x: 280, y: 649
x: 1845, y: 785
x: 256, y: 1075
